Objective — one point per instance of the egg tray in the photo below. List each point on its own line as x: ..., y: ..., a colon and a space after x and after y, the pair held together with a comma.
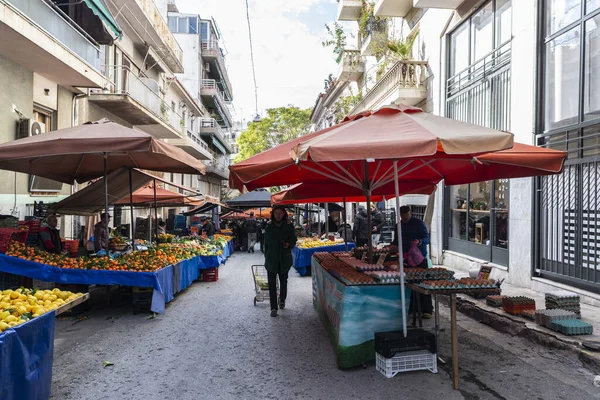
x: 528, y: 314
x: 547, y: 317
x: 562, y: 295
x: 572, y: 327
x: 494, y: 300
x: 516, y: 305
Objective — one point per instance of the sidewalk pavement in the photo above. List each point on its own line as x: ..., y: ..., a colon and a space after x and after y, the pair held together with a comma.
x: 519, y: 326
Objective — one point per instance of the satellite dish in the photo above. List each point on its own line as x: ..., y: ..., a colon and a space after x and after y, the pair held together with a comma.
x: 36, y: 129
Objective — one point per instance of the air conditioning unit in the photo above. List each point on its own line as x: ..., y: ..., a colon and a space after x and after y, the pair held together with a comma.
x: 28, y: 127
x: 207, y: 67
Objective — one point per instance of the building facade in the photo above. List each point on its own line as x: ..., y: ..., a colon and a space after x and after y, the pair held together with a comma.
x: 528, y: 66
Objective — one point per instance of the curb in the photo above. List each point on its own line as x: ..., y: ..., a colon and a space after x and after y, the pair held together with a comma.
x: 516, y: 326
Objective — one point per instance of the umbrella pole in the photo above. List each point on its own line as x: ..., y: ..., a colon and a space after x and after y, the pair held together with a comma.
x: 155, y: 214
x: 319, y: 222
x: 369, y: 217
x: 326, y: 219
x: 344, y: 228
x: 400, y: 250
x: 106, y: 196
x: 131, y: 209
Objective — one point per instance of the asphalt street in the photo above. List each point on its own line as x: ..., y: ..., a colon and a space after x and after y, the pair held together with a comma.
x: 213, y: 343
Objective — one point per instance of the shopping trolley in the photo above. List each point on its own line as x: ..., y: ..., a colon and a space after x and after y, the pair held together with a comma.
x: 261, y: 283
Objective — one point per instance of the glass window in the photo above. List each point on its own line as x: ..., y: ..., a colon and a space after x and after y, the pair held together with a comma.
x: 560, y: 13
x: 182, y: 25
x: 591, y: 95
x: 479, y: 212
x: 592, y: 5
x: 591, y: 141
x: 562, y: 79
x: 459, y: 44
x: 204, y: 30
x: 458, y: 205
x: 482, y: 34
x: 193, y: 24
x: 503, y: 21
x: 501, y: 201
x: 173, y: 24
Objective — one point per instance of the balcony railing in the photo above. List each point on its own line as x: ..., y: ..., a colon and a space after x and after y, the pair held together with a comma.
x: 120, y: 80
x: 217, y: 165
x: 352, y: 66
x: 213, y: 126
x: 222, y: 104
x: 402, y: 75
x: 194, y: 136
x: 213, y: 45
x: 66, y: 31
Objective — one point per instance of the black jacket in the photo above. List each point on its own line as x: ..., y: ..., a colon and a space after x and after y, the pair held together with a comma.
x: 378, y: 220
x: 361, y: 229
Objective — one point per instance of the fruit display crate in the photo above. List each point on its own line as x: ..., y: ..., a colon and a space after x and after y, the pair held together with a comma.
x: 572, y: 327
x: 410, y: 361
x: 389, y: 344
x: 74, y: 303
x: 210, y: 275
x: 9, y: 234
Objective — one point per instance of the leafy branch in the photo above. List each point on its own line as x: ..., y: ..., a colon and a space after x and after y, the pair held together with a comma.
x: 336, y: 38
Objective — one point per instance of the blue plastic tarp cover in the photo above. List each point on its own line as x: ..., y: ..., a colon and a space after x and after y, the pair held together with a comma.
x: 26, y: 355
x: 302, y: 257
x: 188, y: 272
x: 205, y: 262
x: 161, y: 280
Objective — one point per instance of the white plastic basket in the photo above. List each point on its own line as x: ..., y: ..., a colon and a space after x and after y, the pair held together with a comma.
x: 404, y: 362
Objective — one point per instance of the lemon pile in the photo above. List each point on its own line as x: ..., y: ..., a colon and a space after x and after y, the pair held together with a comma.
x: 20, y: 305
x: 311, y: 244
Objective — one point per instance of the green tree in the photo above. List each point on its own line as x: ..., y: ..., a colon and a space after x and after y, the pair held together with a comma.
x: 336, y: 38
x: 279, y: 126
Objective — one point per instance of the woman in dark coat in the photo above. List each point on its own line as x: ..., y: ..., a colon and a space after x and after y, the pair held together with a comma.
x: 280, y: 238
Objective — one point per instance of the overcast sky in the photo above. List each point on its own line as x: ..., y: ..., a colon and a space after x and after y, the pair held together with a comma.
x: 291, y: 64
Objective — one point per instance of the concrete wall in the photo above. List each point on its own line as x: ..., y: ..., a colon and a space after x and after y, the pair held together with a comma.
x: 190, y: 44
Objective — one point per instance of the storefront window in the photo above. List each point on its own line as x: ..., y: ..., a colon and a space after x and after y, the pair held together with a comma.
x: 591, y: 96
x: 562, y: 79
x: 560, y: 13
x: 458, y: 205
x: 479, y: 212
x: 500, y: 210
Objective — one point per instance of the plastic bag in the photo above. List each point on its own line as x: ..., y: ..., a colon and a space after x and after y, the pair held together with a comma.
x: 414, y: 257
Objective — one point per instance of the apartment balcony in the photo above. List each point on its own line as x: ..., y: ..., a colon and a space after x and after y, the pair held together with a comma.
x: 445, y: 4
x: 213, y: 55
x: 143, y: 23
x: 212, y: 131
x: 193, y: 145
x: 400, y: 8
x: 376, y: 38
x: 213, y: 98
x: 217, y: 168
x: 352, y: 66
x: 349, y: 10
x: 137, y: 101
x: 42, y: 39
x: 404, y: 83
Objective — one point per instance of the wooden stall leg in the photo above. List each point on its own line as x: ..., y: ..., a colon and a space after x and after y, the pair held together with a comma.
x: 454, y: 341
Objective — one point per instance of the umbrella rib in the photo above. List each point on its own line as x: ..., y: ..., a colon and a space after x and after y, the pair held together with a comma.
x: 389, y: 175
x: 434, y: 170
x: 355, y: 179
x: 377, y: 169
x: 346, y: 182
x: 425, y: 163
x: 338, y: 175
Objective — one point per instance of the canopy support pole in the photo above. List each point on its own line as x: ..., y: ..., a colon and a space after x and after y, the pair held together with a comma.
x: 318, y: 221
x: 155, y: 214
x: 400, y: 250
x: 326, y: 219
x: 344, y: 230
x: 131, y: 209
x: 106, y: 196
x: 369, y: 217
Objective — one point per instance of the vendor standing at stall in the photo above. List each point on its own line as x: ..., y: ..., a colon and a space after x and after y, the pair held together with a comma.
x: 361, y: 229
x: 101, y: 233
x: 208, y: 227
x: 49, y: 237
x: 415, y: 231
x: 280, y: 238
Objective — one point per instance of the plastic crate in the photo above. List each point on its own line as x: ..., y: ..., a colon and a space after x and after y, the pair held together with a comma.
x: 72, y: 246
x: 10, y: 281
x: 9, y: 234
x: 388, y: 344
x: 43, y: 285
x: 210, y: 275
x: 410, y: 361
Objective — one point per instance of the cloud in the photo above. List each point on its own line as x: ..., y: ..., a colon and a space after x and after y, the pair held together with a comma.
x: 290, y: 61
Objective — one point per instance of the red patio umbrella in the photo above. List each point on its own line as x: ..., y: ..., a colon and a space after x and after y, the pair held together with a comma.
x: 364, y: 151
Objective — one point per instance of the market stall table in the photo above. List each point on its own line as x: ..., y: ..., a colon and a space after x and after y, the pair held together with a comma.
x: 454, y: 333
x: 26, y: 356
x: 161, y: 280
x: 352, y: 314
x: 302, y: 257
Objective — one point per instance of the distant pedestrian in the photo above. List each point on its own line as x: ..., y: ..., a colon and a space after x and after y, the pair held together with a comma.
x: 252, y: 229
x: 361, y: 229
x: 280, y: 238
